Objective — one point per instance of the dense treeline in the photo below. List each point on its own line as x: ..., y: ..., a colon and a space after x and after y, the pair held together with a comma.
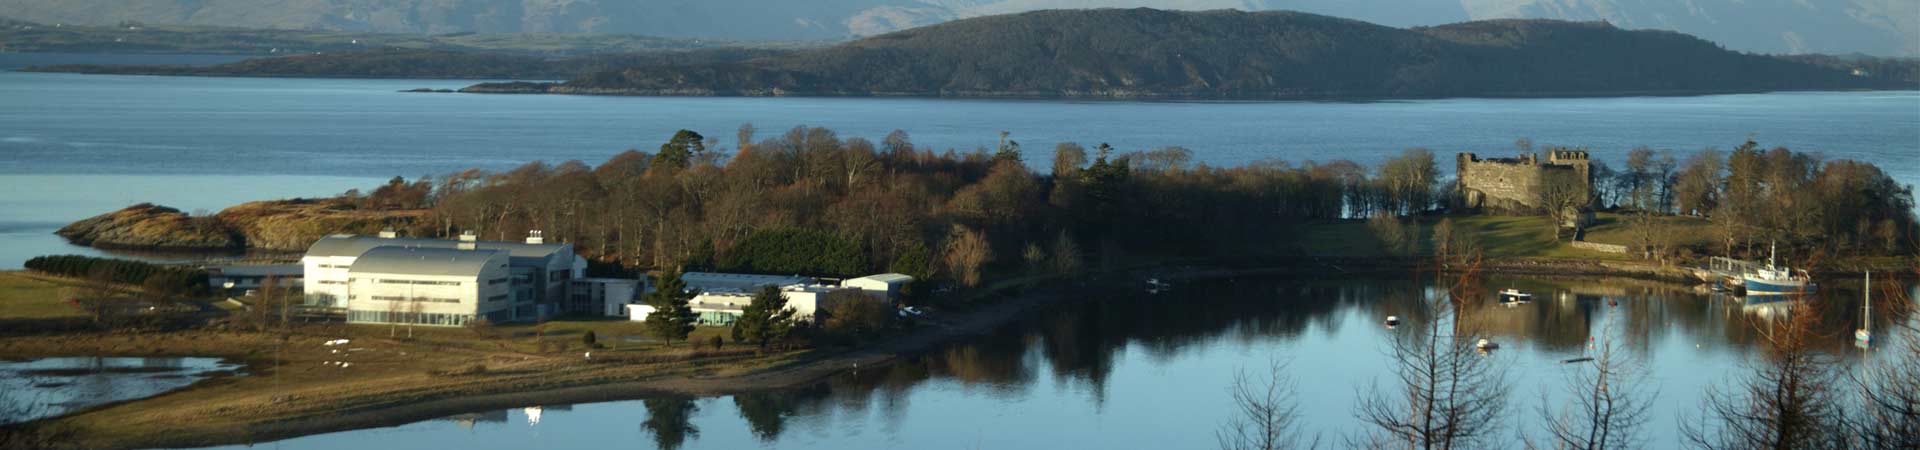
x: 177, y: 279
x: 811, y: 202
x: 407, y: 63
x: 1232, y: 54
x: 1755, y: 195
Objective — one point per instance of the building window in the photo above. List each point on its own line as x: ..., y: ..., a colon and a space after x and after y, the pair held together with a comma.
x: 417, y: 282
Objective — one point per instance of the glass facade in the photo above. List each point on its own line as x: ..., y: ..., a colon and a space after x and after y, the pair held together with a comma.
x: 436, y: 319
x: 717, y: 318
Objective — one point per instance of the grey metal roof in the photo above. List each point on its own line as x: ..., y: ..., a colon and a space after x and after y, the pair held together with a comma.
x: 738, y: 282
x: 888, y: 278
x: 426, y: 261
x: 353, y: 245
x: 257, y: 270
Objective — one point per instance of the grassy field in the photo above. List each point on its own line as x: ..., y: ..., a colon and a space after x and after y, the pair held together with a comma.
x: 24, y: 296
x: 1506, y: 236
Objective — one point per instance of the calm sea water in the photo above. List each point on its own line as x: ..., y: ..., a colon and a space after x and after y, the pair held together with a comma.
x: 206, y: 143
x: 1137, y: 371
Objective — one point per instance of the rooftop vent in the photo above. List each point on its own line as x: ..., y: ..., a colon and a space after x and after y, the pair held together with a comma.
x: 468, y: 236
x: 533, y: 237
x: 388, y: 233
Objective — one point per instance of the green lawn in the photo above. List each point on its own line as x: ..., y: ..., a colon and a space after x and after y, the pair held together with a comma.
x: 1504, y: 236
x: 27, y: 297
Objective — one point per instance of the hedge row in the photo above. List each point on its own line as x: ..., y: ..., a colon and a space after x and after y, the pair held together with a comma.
x: 121, y: 271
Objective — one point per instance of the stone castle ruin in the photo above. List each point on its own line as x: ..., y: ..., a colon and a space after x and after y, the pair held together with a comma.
x: 1523, y: 184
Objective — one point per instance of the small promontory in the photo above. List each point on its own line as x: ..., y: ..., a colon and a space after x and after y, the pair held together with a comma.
x: 278, y: 225
x: 147, y: 226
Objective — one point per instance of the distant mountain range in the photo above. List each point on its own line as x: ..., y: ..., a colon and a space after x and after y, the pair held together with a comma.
x: 1877, y: 27
x: 1147, y: 53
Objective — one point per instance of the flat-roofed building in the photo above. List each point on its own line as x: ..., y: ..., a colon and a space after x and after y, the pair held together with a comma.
x: 252, y: 277
x: 604, y: 296
x: 722, y: 297
x: 722, y: 308
x: 539, y: 272
x: 429, y: 286
x: 886, y: 285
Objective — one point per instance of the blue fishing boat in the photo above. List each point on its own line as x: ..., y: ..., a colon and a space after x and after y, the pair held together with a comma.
x: 1776, y: 279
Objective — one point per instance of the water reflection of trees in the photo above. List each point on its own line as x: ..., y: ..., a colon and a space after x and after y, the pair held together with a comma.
x: 1078, y: 343
x: 670, y: 420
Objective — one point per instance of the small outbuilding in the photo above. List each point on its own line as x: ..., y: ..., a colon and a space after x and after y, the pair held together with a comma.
x: 886, y: 285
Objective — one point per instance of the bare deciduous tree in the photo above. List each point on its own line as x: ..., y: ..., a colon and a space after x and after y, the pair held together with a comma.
x: 1605, y: 405
x: 1265, y: 412
x: 1445, y: 393
x: 1786, y: 403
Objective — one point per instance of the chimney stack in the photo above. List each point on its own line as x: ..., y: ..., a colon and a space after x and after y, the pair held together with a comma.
x: 388, y: 233
x: 533, y: 237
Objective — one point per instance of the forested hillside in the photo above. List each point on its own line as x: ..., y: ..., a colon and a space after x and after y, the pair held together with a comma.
x: 1145, y: 53
x: 1877, y: 27
x: 402, y: 63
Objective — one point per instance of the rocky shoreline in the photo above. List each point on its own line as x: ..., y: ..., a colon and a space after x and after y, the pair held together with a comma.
x: 278, y: 225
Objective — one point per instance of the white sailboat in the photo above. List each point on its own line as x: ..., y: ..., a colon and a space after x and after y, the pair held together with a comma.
x: 1865, y: 333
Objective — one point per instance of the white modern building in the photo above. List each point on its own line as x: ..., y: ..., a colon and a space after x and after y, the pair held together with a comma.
x: 429, y: 286
x: 538, y: 277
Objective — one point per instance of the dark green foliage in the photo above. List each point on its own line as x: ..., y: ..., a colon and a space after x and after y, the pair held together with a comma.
x: 181, y: 280
x: 915, y: 262
x: 679, y: 151
x: 672, y: 319
x: 765, y: 320
x: 1236, y: 54
x: 796, y: 251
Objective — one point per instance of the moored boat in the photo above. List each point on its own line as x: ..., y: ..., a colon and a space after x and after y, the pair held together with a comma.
x: 1777, y: 279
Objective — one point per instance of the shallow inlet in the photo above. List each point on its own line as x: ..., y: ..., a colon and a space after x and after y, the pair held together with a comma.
x: 35, y: 388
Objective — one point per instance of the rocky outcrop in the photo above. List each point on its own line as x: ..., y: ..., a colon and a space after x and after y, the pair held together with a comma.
x: 148, y: 226
x: 279, y: 225
x: 293, y: 225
